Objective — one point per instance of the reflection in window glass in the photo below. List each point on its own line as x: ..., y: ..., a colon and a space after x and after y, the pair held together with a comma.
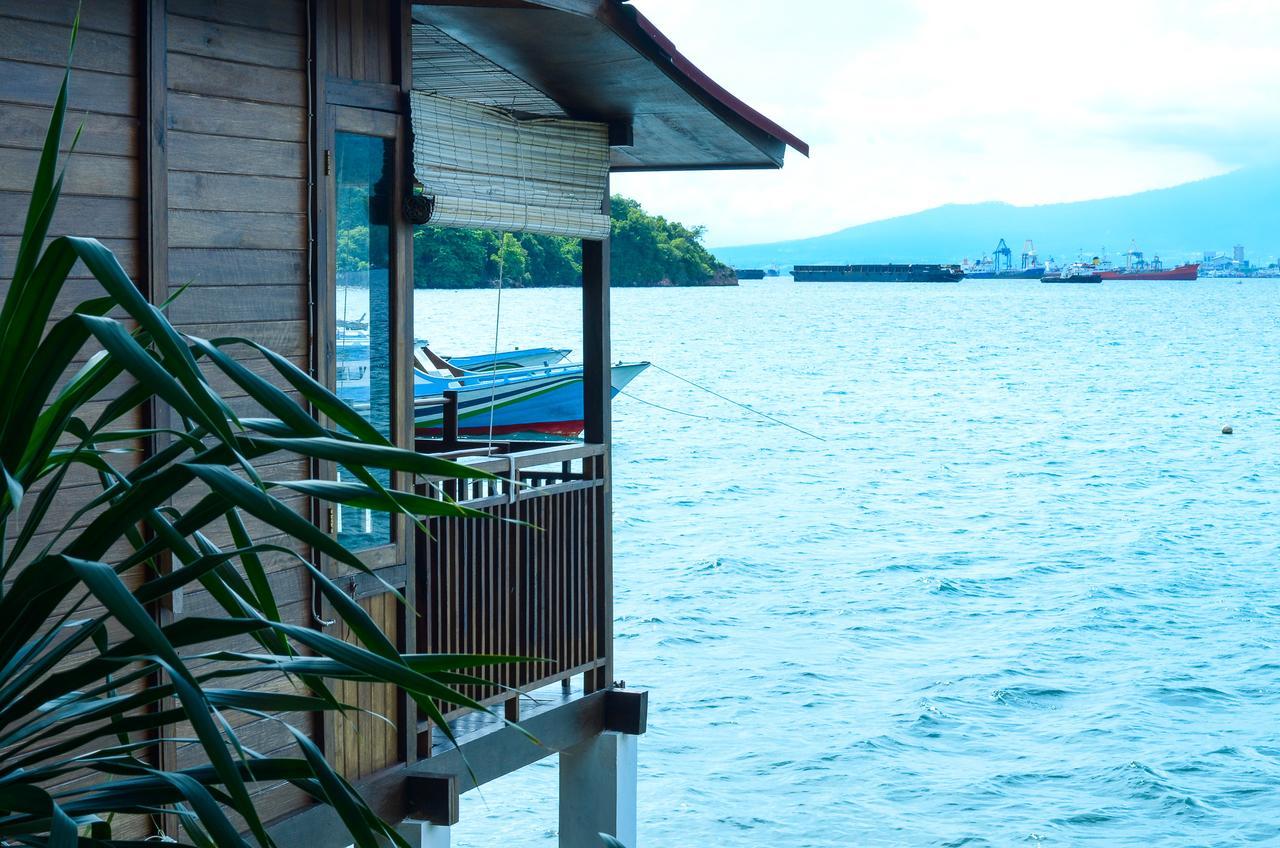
x: 363, y: 377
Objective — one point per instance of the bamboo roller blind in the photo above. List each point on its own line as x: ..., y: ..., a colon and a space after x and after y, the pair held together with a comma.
x: 488, y: 170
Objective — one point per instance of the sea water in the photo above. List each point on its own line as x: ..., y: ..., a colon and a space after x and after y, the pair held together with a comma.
x: 1023, y: 591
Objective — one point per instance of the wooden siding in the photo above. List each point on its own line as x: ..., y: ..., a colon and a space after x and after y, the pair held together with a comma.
x: 237, y: 236
x: 362, y: 39
x: 236, y: 149
x: 367, y: 741
x: 101, y: 193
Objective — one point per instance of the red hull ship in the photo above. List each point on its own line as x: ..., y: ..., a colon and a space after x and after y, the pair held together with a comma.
x: 1182, y: 272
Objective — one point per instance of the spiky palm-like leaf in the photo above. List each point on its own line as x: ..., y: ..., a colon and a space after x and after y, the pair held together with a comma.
x: 90, y: 681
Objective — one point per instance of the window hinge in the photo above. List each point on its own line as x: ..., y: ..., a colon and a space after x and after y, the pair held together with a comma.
x: 333, y: 520
x: 328, y: 162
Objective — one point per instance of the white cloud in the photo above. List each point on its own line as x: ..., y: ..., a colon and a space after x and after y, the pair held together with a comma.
x: 938, y: 102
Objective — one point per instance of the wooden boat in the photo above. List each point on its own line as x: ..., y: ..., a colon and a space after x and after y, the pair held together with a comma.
x: 528, y: 400
x: 533, y: 357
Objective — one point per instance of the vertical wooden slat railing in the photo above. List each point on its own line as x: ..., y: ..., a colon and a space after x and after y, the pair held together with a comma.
x: 525, y: 583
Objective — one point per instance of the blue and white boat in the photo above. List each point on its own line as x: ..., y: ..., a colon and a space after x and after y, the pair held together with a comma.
x: 545, y: 400
x: 510, y: 360
x: 528, y: 391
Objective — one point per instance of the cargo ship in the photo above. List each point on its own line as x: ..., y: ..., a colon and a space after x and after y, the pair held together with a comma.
x: 1136, y: 267
x: 999, y: 265
x: 877, y: 274
x: 1190, y: 271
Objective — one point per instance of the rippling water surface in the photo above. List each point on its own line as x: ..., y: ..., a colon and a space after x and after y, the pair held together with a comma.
x: 1024, y: 593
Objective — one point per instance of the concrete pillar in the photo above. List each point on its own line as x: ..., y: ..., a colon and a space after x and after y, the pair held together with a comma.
x: 598, y: 791
x: 421, y: 834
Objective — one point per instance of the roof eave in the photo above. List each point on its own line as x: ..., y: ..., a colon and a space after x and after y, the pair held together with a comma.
x: 649, y: 41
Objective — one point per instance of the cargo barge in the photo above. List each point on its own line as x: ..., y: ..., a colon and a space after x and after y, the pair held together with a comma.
x: 1023, y: 274
x: 749, y: 273
x: 877, y: 274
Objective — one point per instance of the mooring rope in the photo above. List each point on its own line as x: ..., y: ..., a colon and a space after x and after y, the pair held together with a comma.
x: 626, y: 393
x: 764, y: 415
x: 497, y: 325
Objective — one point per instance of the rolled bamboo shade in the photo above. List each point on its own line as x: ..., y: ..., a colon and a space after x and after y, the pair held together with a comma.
x: 488, y: 170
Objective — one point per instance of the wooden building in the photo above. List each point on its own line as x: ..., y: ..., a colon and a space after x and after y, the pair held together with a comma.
x: 220, y: 137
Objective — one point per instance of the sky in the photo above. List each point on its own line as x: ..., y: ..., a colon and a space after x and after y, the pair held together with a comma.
x: 910, y: 104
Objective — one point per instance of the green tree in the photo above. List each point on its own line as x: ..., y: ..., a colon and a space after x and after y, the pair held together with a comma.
x: 449, y: 258
x: 510, y: 260
x: 647, y: 250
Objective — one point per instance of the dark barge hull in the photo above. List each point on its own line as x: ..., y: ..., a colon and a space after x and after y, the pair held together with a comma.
x: 1024, y: 274
x: 877, y: 274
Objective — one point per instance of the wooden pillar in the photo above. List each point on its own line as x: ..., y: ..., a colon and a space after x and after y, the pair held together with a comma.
x: 597, y: 405
x: 407, y: 710
x: 153, y: 199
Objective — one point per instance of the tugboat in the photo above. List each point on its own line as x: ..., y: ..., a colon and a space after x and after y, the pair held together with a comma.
x: 1076, y: 272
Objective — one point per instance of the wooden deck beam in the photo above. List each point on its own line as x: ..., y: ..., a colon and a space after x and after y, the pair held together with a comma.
x: 428, y: 789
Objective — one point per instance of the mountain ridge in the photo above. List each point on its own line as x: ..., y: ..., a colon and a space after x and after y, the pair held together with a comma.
x: 1177, y: 223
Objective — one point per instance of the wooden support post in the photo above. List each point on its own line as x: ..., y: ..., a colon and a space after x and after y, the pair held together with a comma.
x: 597, y: 404
x: 402, y: 32
x: 449, y: 427
x: 153, y: 160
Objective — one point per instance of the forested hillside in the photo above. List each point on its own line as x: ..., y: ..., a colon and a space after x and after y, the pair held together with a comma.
x: 647, y: 250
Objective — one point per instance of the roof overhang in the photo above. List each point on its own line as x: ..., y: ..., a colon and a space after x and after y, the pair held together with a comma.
x: 601, y: 60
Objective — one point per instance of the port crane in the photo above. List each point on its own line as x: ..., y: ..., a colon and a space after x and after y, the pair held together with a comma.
x: 1029, y: 258
x: 1002, y: 250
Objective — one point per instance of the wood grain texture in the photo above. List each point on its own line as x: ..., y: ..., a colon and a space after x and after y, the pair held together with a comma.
x: 287, y: 16
x: 235, y: 79
x: 368, y: 741
x: 220, y: 116
x: 224, y: 155
x: 236, y: 193
x: 112, y: 16
x: 220, y: 39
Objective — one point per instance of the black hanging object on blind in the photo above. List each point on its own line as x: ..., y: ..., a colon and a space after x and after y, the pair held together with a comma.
x: 418, y: 208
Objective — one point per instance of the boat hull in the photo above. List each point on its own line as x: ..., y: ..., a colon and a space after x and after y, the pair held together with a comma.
x: 1024, y: 274
x: 538, y: 400
x: 1185, y: 273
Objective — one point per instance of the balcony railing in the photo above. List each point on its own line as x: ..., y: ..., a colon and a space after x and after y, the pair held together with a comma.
x: 534, y: 585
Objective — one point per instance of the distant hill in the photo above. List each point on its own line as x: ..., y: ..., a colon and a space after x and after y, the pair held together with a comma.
x: 1177, y: 223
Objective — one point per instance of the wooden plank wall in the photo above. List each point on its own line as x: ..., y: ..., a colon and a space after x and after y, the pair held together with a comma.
x: 360, y: 46
x: 237, y: 152
x: 100, y: 195
x: 233, y: 141
x: 366, y: 743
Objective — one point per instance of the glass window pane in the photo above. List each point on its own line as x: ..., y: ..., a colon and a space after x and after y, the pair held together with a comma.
x: 363, y: 262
